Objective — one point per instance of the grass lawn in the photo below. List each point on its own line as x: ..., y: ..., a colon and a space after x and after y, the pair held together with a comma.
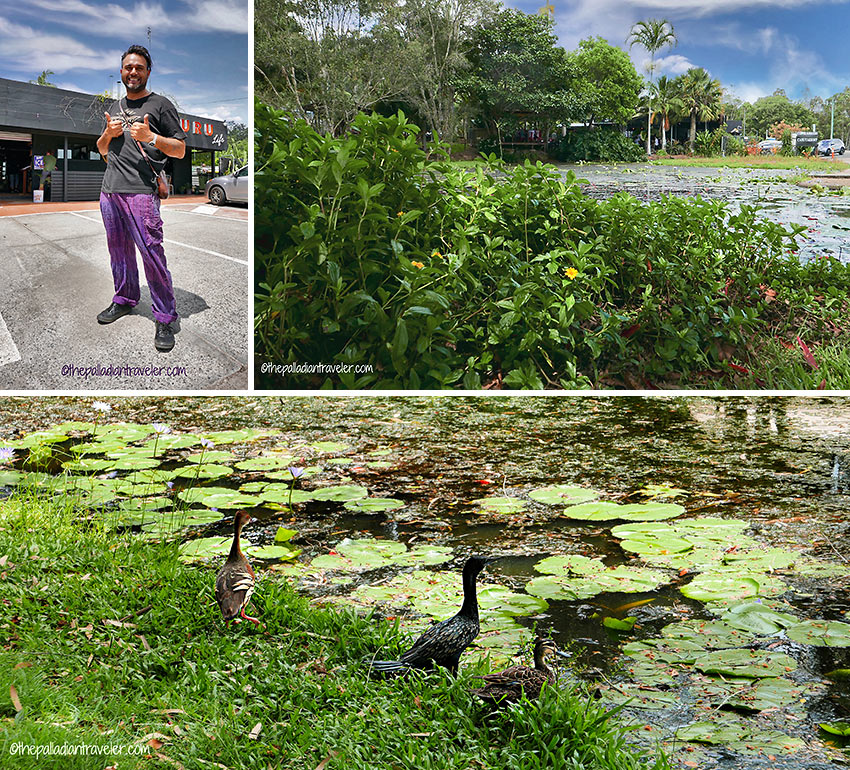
x: 110, y: 640
x: 823, y: 165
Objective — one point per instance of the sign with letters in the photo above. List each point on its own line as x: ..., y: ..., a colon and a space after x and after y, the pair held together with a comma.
x: 204, y: 133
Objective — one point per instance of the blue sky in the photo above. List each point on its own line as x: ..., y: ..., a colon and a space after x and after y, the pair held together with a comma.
x: 752, y: 46
x: 199, y: 48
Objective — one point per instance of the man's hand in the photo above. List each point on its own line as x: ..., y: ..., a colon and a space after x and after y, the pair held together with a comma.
x: 141, y: 132
x: 114, y: 127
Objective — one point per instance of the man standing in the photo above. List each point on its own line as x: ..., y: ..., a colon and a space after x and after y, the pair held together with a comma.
x: 142, y: 122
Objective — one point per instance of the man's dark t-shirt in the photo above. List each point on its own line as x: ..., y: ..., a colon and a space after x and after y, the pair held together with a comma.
x: 126, y: 170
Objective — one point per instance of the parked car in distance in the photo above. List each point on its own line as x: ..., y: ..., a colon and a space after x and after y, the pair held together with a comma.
x: 230, y: 187
x: 827, y: 146
x: 768, y: 146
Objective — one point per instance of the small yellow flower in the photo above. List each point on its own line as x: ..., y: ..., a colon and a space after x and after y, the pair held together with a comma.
x: 417, y: 264
x: 400, y: 214
x: 571, y: 272
x: 436, y: 253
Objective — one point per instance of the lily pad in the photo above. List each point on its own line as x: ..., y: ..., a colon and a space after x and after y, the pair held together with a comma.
x: 266, y: 463
x: 756, y: 617
x: 329, y: 446
x: 821, y: 633
x: 618, y: 624
x: 204, y: 471
x: 286, y: 552
x: 340, y: 494
x: 620, y: 579
x: 369, y: 553
x: 210, y: 456
x: 240, y: 436
x: 558, y: 494
x: 751, y: 695
x: 755, y: 664
x: 605, y: 511
x: 218, y: 497
x: 732, y: 584
x: 374, y: 504
x: 836, y: 728
x: 204, y: 548
x: 572, y: 564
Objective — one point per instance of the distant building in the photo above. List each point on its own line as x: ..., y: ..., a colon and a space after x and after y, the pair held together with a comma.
x: 37, y: 120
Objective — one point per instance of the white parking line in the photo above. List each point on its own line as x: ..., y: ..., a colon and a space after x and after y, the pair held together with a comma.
x: 184, y: 245
x: 207, y: 251
x: 8, y: 350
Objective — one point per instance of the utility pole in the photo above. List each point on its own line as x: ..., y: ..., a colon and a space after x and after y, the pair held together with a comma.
x: 832, y: 119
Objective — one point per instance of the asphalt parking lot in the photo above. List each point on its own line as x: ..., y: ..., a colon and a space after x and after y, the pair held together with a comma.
x: 55, y: 278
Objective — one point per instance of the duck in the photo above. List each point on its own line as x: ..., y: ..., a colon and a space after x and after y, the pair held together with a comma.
x: 234, y: 583
x: 508, y: 686
x: 444, y: 642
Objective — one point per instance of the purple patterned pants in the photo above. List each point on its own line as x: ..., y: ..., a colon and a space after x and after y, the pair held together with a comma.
x: 133, y: 220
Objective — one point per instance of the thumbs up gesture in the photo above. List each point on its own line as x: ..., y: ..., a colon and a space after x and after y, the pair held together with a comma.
x: 114, y: 127
x: 141, y: 132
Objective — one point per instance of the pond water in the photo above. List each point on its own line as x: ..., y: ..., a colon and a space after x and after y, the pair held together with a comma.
x: 826, y: 217
x: 780, y: 466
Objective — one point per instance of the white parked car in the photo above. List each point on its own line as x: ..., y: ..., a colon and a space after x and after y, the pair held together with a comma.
x: 770, y: 146
x: 230, y: 187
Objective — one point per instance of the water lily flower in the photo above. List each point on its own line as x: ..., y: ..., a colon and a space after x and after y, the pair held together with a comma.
x: 6, y: 454
x: 169, y: 484
x: 206, y: 443
x: 296, y: 472
x: 160, y: 429
x: 571, y: 272
x: 101, y: 406
x: 111, y: 474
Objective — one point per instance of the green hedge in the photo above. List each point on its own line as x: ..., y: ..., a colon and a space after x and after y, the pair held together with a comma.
x: 440, y: 276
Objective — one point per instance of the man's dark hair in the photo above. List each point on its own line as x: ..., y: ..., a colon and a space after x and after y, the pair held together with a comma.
x: 139, y: 49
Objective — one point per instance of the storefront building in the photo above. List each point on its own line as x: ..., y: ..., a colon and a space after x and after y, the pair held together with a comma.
x: 39, y: 121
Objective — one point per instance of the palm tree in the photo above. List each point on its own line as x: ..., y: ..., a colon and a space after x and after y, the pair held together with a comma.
x: 667, y: 104
x: 653, y: 35
x: 701, y: 97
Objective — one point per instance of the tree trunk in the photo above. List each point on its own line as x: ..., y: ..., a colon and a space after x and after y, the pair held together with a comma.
x: 663, y: 131
x: 693, y: 134
x: 648, y: 128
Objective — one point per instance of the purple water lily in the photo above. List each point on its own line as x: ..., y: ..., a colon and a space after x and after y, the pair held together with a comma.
x: 296, y: 472
x: 6, y: 454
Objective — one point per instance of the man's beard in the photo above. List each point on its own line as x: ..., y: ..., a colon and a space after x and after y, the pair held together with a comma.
x: 134, y: 87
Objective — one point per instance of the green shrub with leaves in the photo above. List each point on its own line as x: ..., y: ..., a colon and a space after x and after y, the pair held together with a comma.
x: 445, y: 276
x: 603, y: 144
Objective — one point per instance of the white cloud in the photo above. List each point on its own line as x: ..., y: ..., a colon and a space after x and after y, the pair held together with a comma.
x: 111, y: 19
x: 675, y: 64
x: 29, y: 50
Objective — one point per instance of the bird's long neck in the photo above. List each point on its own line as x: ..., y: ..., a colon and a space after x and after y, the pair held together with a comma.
x: 235, y: 550
x: 540, y: 661
x: 469, y: 608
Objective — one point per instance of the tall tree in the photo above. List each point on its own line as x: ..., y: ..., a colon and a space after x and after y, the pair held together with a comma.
x: 326, y: 60
x: 668, y: 104
x: 517, y: 67
x: 777, y: 108
x: 603, y: 82
x: 701, y: 97
x: 435, y: 35
x: 653, y: 35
